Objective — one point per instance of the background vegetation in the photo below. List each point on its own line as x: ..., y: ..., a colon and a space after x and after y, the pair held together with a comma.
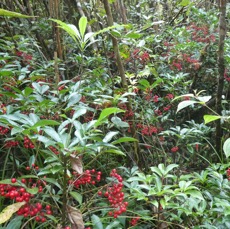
x: 114, y: 114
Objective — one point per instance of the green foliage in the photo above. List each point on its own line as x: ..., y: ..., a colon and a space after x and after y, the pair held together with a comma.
x: 8, y: 13
x: 67, y: 124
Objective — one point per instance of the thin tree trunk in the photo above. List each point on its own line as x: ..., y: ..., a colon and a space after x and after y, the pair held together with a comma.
x: 123, y: 78
x: 54, y: 7
x: 123, y: 11
x: 221, y: 69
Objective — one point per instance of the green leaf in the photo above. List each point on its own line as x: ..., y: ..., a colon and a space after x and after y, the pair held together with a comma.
x: 185, y: 2
x: 7, y: 212
x: 15, y: 223
x: 78, y: 113
x: 45, y: 123
x: 144, y: 83
x: 204, y: 99
x: 124, y: 139
x: 96, y: 222
x: 27, y: 91
x: 16, y: 129
x: 118, y: 122
x: 53, y: 181
x: 106, y: 112
x: 115, y: 151
x: 73, y: 99
x: 113, y: 225
x: 157, y: 83
x: 28, y: 176
x: 195, y: 194
x: 109, y: 136
x: 53, y: 134
x: 8, y: 13
x: 170, y: 167
x: 8, y: 181
x: 134, y: 35
x: 156, y: 170
x: 70, y: 29
x: 82, y: 25
x: 32, y: 190
x: 32, y: 160
x: 77, y: 196
x: 210, y: 118
x: 184, y: 104
x: 226, y: 147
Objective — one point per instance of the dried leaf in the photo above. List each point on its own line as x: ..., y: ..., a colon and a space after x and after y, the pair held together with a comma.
x: 9, y: 211
x: 76, y: 163
x: 75, y: 218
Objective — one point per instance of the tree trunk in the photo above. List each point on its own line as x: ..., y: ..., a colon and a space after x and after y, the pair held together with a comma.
x: 221, y: 69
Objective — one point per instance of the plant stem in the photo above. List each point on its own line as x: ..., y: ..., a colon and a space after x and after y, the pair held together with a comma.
x: 64, y: 191
x: 221, y: 69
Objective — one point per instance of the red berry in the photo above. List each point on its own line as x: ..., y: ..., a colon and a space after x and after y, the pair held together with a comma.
x: 13, y: 180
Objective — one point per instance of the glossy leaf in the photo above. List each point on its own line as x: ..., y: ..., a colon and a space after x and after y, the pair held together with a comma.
x: 109, y: 136
x: 211, y: 118
x: 118, y: 122
x: 124, y: 139
x: 7, y: 212
x: 194, y: 194
x: 77, y: 196
x: 82, y: 25
x: 226, y: 148
x: 115, y: 151
x: 53, y: 134
x: 15, y: 223
x: 106, y: 112
x: 96, y: 222
x: 184, y: 104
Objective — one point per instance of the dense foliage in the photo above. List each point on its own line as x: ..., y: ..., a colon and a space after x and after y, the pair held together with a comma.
x: 114, y: 126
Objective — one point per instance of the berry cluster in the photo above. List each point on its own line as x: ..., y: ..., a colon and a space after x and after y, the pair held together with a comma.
x: 33, y: 166
x: 201, y: 34
x: 16, y: 193
x: 148, y: 130
x: 128, y: 113
x: 11, y: 143
x: 28, y: 143
x: 37, y: 210
x: 54, y: 150
x: 134, y: 221
x: 19, y: 194
x: 142, y: 56
x: 228, y: 174
x: 4, y: 130
x: 88, y: 177
x: 115, y: 195
x: 174, y: 149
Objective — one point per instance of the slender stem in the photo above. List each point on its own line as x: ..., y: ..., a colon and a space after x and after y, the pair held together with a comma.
x: 64, y: 191
x: 122, y: 75
x: 221, y: 69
